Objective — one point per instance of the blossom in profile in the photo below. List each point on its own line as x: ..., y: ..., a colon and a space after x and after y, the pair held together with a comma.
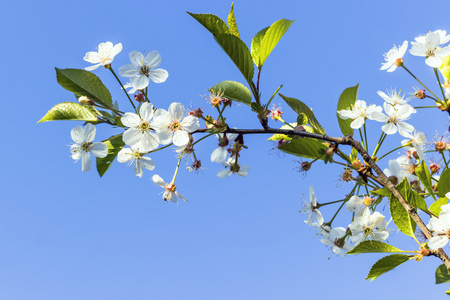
x: 172, y: 126
x: 312, y: 209
x: 104, y: 56
x: 133, y: 155
x: 429, y: 47
x: 231, y: 167
x: 394, y: 57
x: 170, y: 193
x: 142, y: 69
x: 219, y: 154
x: 140, y: 129
x: 83, y: 139
x: 335, y: 239
x: 359, y: 112
x: 440, y: 228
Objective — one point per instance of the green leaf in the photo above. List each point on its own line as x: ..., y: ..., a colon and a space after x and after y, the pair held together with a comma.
x: 84, y: 83
x: 299, y: 107
x: 386, y: 264
x: 233, y: 90
x: 239, y: 54
x: 70, y: 111
x: 400, y: 216
x: 212, y: 23
x: 232, y: 21
x: 435, y: 207
x: 374, y: 247
x: 442, y: 274
x: 115, y: 144
x: 271, y: 39
x: 448, y: 292
x: 410, y: 195
x: 256, y: 45
x: 383, y: 192
x: 346, y: 101
x: 444, y: 183
x: 304, y: 147
x: 424, y: 175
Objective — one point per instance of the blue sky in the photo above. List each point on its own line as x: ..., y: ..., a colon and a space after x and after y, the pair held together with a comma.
x: 65, y: 234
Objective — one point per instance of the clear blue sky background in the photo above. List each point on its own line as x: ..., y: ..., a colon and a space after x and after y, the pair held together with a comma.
x: 65, y: 234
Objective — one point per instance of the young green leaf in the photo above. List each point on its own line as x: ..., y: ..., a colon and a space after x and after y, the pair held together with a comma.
x: 435, y: 207
x: 299, y: 107
x: 256, y: 46
x: 424, y: 175
x: 444, y: 183
x: 212, y: 23
x: 115, y: 144
x: 346, y: 100
x: 232, y: 22
x: 84, y: 83
x: 410, y: 195
x: 233, y: 90
x: 70, y: 111
x: 374, y: 247
x: 401, y: 217
x: 386, y: 264
x: 383, y: 192
x: 271, y: 39
x: 442, y: 274
x: 239, y: 54
x: 305, y: 147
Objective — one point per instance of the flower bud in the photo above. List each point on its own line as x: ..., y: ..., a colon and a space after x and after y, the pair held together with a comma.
x: 399, y: 62
x: 196, y: 112
x: 419, y: 94
x: 357, y: 164
x: 139, y: 97
x: 85, y: 101
x: 434, y: 168
x: 440, y: 146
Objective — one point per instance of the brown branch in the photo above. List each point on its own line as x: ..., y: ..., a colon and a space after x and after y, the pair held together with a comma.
x: 382, y: 179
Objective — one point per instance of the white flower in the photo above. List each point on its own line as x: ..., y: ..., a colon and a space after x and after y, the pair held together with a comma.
x: 311, y: 208
x: 428, y: 46
x: 232, y: 167
x: 394, y: 57
x: 359, y: 113
x: 354, y: 203
x: 83, y: 145
x: 170, y: 194
x: 395, y: 117
x: 335, y: 240
x: 142, y: 68
x: 393, y: 98
x: 134, y: 155
x: 172, y: 126
x: 368, y: 226
x: 130, y: 86
x: 104, y: 56
x: 417, y: 140
x: 398, y: 170
x: 440, y: 228
x: 219, y: 154
x: 140, y: 127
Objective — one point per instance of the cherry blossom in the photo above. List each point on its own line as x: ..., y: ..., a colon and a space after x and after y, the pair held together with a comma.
x: 104, y: 56
x: 83, y: 146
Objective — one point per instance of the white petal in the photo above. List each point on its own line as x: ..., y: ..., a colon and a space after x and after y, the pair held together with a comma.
x: 223, y: 173
x: 89, y: 132
x: 132, y: 136
x: 153, y: 59
x: 77, y: 134
x: 128, y: 71
x: 99, y: 149
x: 176, y: 111
x: 149, y: 141
x: 158, y: 75
x: 92, y: 57
x: 75, y: 149
x: 180, y: 138
x: 147, y: 163
x: 190, y: 124
x: 437, y: 242
x: 146, y: 111
x: 86, y: 164
x: 433, y: 61
x: 165, y: 136
x: 181, y: 196
x: 124, y: 155
x: 357, y: 123
x: 138, y: 168
x: 219, y: 155
x: 159, y: 181
x: 130, y: 120
x: 389, y: 128
x: 140, y: 82
x: 243, y: 171
x: 136, y: 58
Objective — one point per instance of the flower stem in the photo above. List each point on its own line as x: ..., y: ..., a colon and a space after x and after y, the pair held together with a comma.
x: 439, y: 81
x: 362, y: 140
x: 391, y: 151
x: 421, y: 83
x: 380, y: 141
x: 432, y: 106
x: 365, y: 136
x: 176, y: 170
x: 445, y: 161
x: 125, y: 91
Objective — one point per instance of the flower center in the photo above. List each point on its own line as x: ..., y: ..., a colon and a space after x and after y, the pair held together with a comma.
x: 175, y: 125
x: 144, y: 126
x: 144, y: 70
x: 170, y: 189
x: 367, y: 230
x: 136, y: 154
x: 430, y: 52
x: 85, y: 146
